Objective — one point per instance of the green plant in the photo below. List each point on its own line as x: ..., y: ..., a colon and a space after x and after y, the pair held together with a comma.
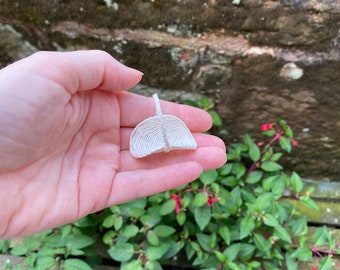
x: 231, y: 218
x: 235, y: 217
x: 60, y: 248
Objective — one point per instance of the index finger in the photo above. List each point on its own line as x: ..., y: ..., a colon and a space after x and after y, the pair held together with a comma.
x: 135, y: 108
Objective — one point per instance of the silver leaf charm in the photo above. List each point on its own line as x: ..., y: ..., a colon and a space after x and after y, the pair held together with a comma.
x: 160, y: 133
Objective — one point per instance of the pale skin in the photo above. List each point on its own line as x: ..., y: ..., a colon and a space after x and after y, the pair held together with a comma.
x: 65, y: 123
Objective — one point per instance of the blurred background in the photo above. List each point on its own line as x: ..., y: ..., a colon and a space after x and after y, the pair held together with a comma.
x: 258, y: 61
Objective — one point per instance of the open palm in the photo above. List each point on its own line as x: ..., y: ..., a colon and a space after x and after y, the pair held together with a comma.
x: 65, y: 123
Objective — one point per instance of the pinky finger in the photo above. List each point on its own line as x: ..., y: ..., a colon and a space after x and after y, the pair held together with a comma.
x: 131, y: 185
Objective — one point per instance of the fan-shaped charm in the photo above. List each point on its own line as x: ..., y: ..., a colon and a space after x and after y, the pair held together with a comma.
x: 160, y: 133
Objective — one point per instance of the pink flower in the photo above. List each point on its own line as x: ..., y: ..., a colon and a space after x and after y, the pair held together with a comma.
x: 178, y: 201
x: 295, y: 143
x: 314, y: 268
x: 266, y: 127
x: 259, y: 144
x: 211, y: 201
x: 277, y: 137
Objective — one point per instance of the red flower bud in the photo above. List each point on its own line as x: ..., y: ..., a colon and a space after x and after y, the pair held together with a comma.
x: 266, y: 127
x: 211, y: 201
x: 178, y: 202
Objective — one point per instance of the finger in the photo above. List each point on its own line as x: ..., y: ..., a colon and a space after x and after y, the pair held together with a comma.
x: 82, y: 70
x: 201, y: 139
x: 128, y: 186
x: 210, y: 157
x: 136, y: 108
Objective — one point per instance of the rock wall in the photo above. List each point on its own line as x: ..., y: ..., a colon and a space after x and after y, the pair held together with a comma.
x: 259, y: 60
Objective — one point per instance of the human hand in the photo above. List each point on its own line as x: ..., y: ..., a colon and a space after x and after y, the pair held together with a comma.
x: 65, y: 123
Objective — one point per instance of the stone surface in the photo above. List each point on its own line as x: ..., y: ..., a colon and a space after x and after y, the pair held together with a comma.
x: 232, y: 53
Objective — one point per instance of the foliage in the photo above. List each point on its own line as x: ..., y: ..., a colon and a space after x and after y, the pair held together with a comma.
x: 235, y: 217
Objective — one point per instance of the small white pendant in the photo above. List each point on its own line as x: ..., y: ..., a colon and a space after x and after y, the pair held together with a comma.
x: 160, y: 133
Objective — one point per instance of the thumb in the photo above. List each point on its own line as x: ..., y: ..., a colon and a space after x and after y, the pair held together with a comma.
x: 82, y: 70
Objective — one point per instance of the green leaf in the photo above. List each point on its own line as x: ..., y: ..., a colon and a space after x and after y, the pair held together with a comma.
x: 291, y: 263
x: 46, y: 263
x: 191, y: 103
x: 121, y: 253
x: 201, y: 258
x: 264, y: 200
x: 239, y: 170
x: 233, y: 266
x: 248, y: 140
x: 220, y: 256
x: 271, y: 166
x: 270, y: 265
x: 208, y: 177
x: 19, y: 250
x: 164, y: 230
x: 302, y: 253
x: 174, y: 248
x: 269, y: 182
x: 326, y: 263
x: 151, y: 265
x: 254, y: 177
x: 152, y: 237
x: 254, y: 152
x: 297, y: 183
x: 126, y: 208
x: 108, y: 236
x: 202, y: 216
x: 200, y: 199
x: 152, y: 218
x: 232, y: 251
x: 225, y: 169
x: 310, y: 203
x: 181, y: 217
x: 247, y: 226
x: 230, y: 181
x: 76, y: 252
x: 299, y: 226
x: 276, y: 157
x: 206, y: 103
x: 289, y: 132
x: 132, y: 265
x: 75, y: 264
x: 270, y: 220
x: 156, y: 252
x: 168, y: 207
x: 261, y: 243
x: 79, y: 241
x: 224, y: 232
x: 321, y: 236
x: 278, y: 188
x: 204, y: 241
x: 246, y: 252
x: 217, y: 121
x: 129, y: 231
x: 136, y: 212
x: 118, y: 222
x: 254, y: 265
x: 283, y: 234
x: 285, y: 144
x: 248, y: 196
x: 31, y: 259
x: 236, y: 196
x: 108, y: 221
